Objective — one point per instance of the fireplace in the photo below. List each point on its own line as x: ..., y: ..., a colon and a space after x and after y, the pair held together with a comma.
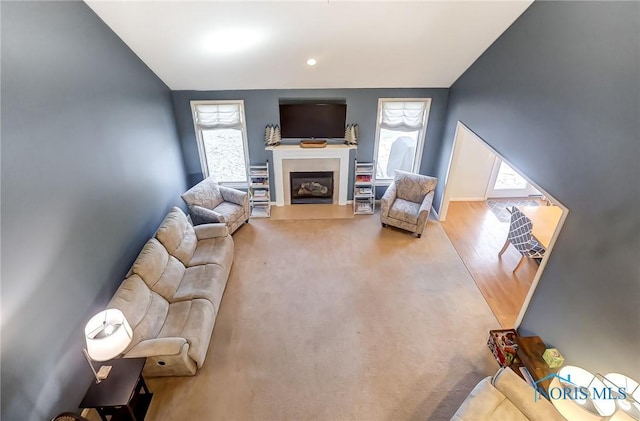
x: 290, y: 158
x: 311, y: 187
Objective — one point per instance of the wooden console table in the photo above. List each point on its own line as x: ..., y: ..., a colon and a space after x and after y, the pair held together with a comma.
x: 529, y: 355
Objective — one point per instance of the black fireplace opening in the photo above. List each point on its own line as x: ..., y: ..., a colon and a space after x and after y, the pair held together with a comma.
x: 311, y: 187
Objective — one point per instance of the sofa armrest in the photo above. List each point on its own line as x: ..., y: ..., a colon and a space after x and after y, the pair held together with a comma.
x: 521, y: 395
x: 235, y: 196
x: 154, y: 347
x: 205, y: 231
x: 387, y: 199
x: 425, y: 208
x: 200, y: 215
x: 479, y: 403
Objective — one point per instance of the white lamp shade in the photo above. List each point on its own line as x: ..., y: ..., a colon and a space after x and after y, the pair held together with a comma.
x: 630, y: 405
x: 107, y: 335
x: 583, y: 408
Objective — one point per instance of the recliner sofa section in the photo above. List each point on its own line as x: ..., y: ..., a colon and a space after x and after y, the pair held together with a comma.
x: 172, y: 294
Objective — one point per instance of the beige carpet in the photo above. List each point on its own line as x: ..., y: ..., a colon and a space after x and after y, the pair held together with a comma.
x: 338, y: 320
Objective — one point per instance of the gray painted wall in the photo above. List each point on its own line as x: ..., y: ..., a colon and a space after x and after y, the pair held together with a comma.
x: 558, y: 95
x: 261, y: 109
x: 90, y: 165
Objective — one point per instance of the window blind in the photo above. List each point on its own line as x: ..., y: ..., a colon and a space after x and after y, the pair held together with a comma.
x: 403, y: 116
x: 218, y: 116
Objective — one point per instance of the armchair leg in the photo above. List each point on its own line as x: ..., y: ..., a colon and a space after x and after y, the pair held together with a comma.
x: 384, y: 225
x: 504, y: 248
x: 419, y: 235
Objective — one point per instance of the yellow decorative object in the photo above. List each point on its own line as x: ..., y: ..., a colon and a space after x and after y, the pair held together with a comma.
x: 553, y: 357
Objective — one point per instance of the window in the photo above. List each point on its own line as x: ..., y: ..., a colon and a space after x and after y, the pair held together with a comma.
x: 221, y: 134
x: 400, y: 133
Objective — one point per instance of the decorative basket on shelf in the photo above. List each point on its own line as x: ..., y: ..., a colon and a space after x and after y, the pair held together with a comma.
x: 503, y: 346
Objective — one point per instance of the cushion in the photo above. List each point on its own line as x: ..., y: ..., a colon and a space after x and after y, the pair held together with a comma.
x: 404, y: 210
x: 170, y: 279
x: 413, y: 187
x: 144, y: 309
x: 218, y: 250
x: 204, y: 281
x: 177, y: 235
x: 206, y: 194
x: 151, y: 262
x: 192, y: 320
x: 231, y: 211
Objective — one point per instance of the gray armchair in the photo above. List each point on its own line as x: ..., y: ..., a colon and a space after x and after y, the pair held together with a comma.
x: 209, y: 202
x: 407, y: 202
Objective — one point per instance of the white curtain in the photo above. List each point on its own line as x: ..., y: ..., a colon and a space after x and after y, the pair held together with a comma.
x: 219, y: 116
x: 403, y: 116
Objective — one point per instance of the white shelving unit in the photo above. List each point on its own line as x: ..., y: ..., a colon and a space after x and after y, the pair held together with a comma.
x: 364, y: 191
x: 259, y: 192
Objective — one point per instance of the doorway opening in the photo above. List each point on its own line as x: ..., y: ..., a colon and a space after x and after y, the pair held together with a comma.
x: 482, y: 190
x: 507, y: 182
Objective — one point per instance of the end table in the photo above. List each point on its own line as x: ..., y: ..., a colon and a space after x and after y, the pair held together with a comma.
x: 123, y: 395
x: 529, y: 354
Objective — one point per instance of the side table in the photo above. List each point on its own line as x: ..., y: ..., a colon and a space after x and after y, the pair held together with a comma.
x: 123, y: 394
x: 529, y: 354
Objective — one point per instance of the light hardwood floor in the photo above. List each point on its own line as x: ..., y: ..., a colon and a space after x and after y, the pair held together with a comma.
x: 478, y: 236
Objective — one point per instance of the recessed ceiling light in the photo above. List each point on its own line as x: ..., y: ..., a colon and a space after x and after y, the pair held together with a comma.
x: 312, y: 62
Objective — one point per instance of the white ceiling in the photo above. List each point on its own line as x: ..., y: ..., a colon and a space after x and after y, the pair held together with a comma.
x: 358, y: 44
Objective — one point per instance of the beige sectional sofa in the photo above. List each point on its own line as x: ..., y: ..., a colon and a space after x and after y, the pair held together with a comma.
x: 505, y: 396
x: 172, y: 294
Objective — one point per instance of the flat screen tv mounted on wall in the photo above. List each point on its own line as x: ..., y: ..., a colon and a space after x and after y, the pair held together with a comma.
x: 313, y: 120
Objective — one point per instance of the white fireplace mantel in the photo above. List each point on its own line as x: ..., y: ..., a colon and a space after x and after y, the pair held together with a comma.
x: 284, y: 152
